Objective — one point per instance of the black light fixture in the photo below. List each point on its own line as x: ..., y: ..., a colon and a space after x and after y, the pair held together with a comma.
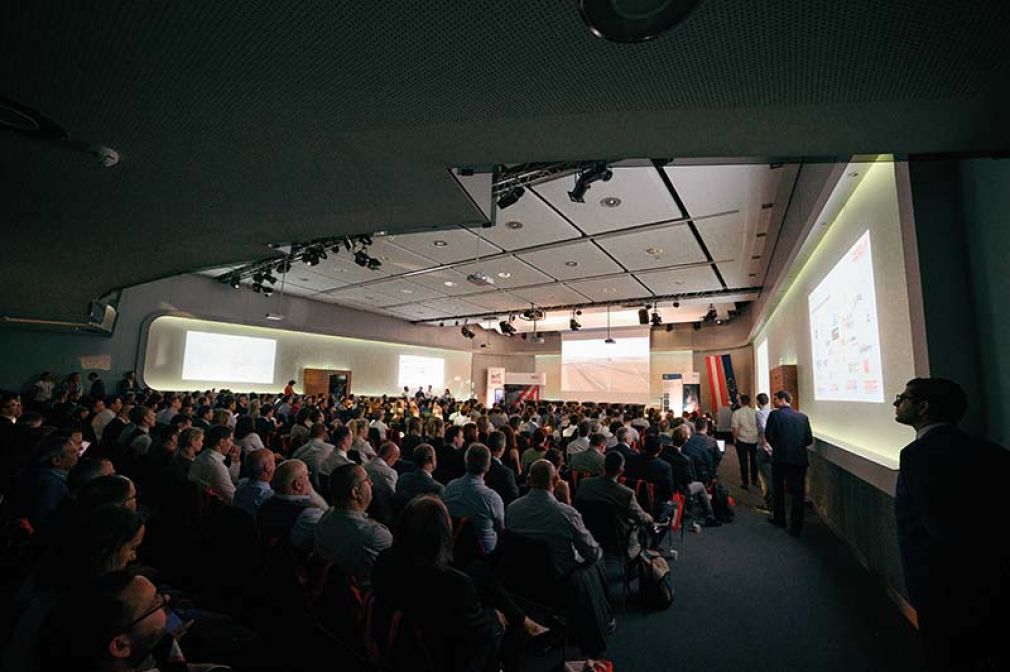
x: 711, y: 314
x: 676, y: 304
x: 506, y: 327
x: 595, y: 173
x: 268, y: 291
x: 609, y: 340
x: 347, y: 243
x: 696, y: 326
x: 284, y: 267
x: 657, y: 319
x: 633, y: 20
x: 643, y: 315
x: 257, y: 287
x: 510, y: 197
x: 365, y: 239
x: 574, y: 323
x: 669, y: 327
x: 466, y: 331
x: 269, y: 278
x: 235, y: 281
x: 373, y: 264
x: 361, y: 258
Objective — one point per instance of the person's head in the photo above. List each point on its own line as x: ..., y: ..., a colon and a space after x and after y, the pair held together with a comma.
x: 205, y: 412
x: 111, y: 624
x: 112, y: 490
x: 342, y: 438
x: 389, y: 452
x: 261, y: 464
x: 681, y: 434
x: 244, y: 426
x: 291, y: 478
x: 318, y: 431
x: 190, y: 442
x: 219, y: 439
x: 540, y: 439
x: 585, y: 426
x: 478, y: 459
x: 930, y: 400
x: 58, y: 452
x: 701, y: 425
x: 744, y: 400
x: 100, y: 541
x: 598, y: 442
x: 782, y: 398
x: 10, y: 405
x: 497, y: 442
x: 652, y: 446
x: 97, y: 406
x: 424, y: 457
x: 613, y: 464
x: 542, y: 475
x: 291, y: 382
x: 130, y: 375
x: 762, y: 399
x: 623, y: 435
x: 423, y: 532
x: 454, y: 436
x: 350, y: 488
x: 88, y: 470
x: 469, y: 433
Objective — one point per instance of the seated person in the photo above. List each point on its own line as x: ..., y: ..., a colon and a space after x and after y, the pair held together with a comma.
x: 209, y: 468
x: 42, y: 488
x: 254, y: 490
x: 451, y: 464
x: 420, y: 481
x: 315, y: 450
x: 290, y: 513
x: 684, y: 479
x: 468, y: 497
x: 500, y: 478
x: 703, y: 451
x: 384, y: 477
x: 345, y: 535
x: 536, y: 451
x: 647, y: 466
x: 590, y: 461
x: 626, y: 514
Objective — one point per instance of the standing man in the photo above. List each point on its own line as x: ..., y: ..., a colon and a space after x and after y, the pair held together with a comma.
x: 789, y: 431
x: 956, y: 568
x: 743, y: 424
x: 764, y: 453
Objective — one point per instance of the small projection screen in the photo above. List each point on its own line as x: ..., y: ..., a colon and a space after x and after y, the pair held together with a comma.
x: 844, y: 333
x: 222, y: 357
x: 592, y: 370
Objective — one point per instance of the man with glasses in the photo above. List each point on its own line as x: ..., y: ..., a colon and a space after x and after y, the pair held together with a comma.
x: 956, y: 569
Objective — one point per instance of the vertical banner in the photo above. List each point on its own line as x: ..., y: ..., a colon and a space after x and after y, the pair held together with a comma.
x: 692, y: 392
x: 673, y: 393
x: 495, y: 382
x: 721, y: 381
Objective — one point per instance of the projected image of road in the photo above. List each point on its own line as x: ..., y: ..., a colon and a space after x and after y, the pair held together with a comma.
x: 592, y: 369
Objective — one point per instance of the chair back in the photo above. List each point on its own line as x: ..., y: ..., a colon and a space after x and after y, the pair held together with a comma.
x: 466, y: 546
x: 645, y: 493
x: 600, y: 519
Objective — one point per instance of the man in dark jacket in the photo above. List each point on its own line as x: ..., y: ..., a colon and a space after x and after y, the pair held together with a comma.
x: 499, y: 477
x: 956, y: 569
x: 700, y: 449
x: 684, y: 479
x: 789, y: 433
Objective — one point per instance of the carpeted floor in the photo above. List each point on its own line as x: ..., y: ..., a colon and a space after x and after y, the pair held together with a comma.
x: 750, y: 597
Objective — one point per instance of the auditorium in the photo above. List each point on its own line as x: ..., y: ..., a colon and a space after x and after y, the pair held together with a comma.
x: 586, y: 335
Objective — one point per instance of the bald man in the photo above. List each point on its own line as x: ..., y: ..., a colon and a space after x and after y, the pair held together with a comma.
x: 253, y: 491
x: 291, y: 514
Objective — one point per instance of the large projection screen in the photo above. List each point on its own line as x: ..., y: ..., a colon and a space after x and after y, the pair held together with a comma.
x: 592, y: 370
x: 222, y: 357
x: 844, y: 333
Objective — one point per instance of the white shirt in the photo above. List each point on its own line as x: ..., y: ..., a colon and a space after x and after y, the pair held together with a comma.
x: 44, y: 390
x: 381, y: 426
x: 313, y: 453
x: 250, y: 442
x: 744, y: 424
x: 101, y: 420
x: 208, y: 470
x: 378, y: 470
x: 579, y: 445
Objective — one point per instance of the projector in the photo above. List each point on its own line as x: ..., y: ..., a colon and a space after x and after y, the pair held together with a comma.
x: 481, y: 279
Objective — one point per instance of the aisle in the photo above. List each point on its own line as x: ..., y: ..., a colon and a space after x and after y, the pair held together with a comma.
x: 750, y: 597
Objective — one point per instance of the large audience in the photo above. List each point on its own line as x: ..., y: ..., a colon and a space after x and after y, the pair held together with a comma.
x: 148, y: 529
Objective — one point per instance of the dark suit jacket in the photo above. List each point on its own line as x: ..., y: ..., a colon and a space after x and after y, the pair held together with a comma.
x: 624, y: 449
x: 789, y: 434
x: 681, y: 468
x: 502, y: 480
x: 696, y: 449
x: 451, y: 464
x: 951, y: 557
x: 655, y: 471
x: 413, y: 483
x: 619, y: 500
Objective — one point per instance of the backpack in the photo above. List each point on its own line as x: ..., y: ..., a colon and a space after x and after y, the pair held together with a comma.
x: 655, y: 582
x: 722, y: 504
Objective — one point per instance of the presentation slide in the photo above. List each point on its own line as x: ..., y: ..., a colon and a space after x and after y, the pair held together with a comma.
x: 596, y: 371
x: 232, y: 359
x: 418, y: 372
x: 844, y: 334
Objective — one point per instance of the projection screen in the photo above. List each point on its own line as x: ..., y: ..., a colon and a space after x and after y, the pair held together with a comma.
x: 592, y: 370
x: 222, y: 357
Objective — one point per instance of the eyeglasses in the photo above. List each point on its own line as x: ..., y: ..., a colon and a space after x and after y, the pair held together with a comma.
x: 898, y: 398
x: 161, y: 602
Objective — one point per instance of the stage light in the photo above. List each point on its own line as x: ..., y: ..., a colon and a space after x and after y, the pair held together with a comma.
x: 506, y: 328
x: 366, y: 239
x: 711, y: 314
x: 466, y: 331
x: 257, y: 278
x: 597, y: 172
x: 268, y: 291
x: 669, y: 327
x: 269, y: 278
x: 657, y: 320
x: 235, y: 281
x: 257, y: 287
x: 510, y: 197
x: 574, y: 324
x: 284, y: 267
x: 697, y: 326
x: 628, y: 21
x: 676, y: 304
x: 361, y: 258
x: 643, y: 315
x: 373, y: 263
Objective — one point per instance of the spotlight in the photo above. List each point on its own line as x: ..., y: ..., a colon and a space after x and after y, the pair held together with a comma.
x: 466, y: 331
x: 711, y: 314
x: 676, y: 304
x: 284, y: 267
x: 657, y: 320
x: 609, y: 341
x: 347, y: 243
x: 366, y: 239
x: 506, y: 328
x: 623, y: 21
x: 669, y: 327
x: 361, y: 258
x: 236, y: 281
x: 574, y: 324
x: 373, y: 264
x: 257, y: 287
x: 523, y: 335
x: 696, y: 326
x: 269, y: 278
x: 595, y: 173
x: 510, y: 197
x: 643, y: 315
x: 268, y: 291
x: 335, y: 248
x: 258, y: 278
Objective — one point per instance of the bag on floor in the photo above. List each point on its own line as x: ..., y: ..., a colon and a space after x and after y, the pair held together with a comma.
x: 722, y: 504
x: 655, y: 581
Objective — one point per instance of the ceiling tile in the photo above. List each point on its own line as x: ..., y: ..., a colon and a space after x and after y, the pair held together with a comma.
x: 451, y: 308
x: 301, y: 276
x: 610, y: 289
x: 706, y: 190
x: 507, y: 272
x: 681, y: 281
x: 342, y: 268
x: 416, y: 311
x: 654, y: 249
x: 459, y: 245
x: 551, y: 295
x: 437, y: 280
x: 395, y: 259
x: 540, y: 225
x: 558, y: 262
x: 364, y: 295
x: 643, y: 199
x: 498, y: 300
x: 740, y: 274
x: 406, y: 291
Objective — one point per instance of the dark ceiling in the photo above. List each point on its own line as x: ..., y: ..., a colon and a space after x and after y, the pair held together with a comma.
x: 243, y: 123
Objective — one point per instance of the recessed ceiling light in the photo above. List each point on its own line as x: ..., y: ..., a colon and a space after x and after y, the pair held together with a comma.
x: 571, y: 264
x: 678, y: 282
x: 610, y: 202
x: 654, y: 251
x: 504, y: 274
x: 379, y: 233
x: 449, y: 283
x: 853, y: 174
x: 756, y: 256
x: 515, y: 226
x: 406, y: 291
x: 439, y: 243
x: 609, y: 290
x: 304, y: 279
x: 752, y: 275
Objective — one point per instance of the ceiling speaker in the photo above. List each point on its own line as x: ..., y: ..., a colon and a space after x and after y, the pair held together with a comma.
x: 633, y: 20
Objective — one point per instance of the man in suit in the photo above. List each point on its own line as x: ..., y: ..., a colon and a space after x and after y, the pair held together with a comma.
x: 622, y: 446
x: 684, y: 479
x: 627, y: 515
x: 451, y: 464
x: 699, y: 448
x: 500, y: 478
x: 647, y: 466
x: 789, y: 432
x: 956, y: 570
x: 590, y: 461
x: 420, y: 480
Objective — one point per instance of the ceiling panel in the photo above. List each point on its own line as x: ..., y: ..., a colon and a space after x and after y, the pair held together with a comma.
x: 302, y: 276
x: 444, y: 247
x: 415, y: 311
x: 739, y: 274
x: 450, y: 308
x: 578, y: 260
x: 610, y: 289
x: 498, y: 300
x: 706, y: 190
x: 681, y: 281
x: 507, y: 272
x: 528, y: 222
x: 551, y: 295
x: 406, y: 291
x: 395, y: 259
x: 643, y: 199
x: 342, y: 268
x: 653, y: 249
x: 364, y: 295
x: 437, y: 280
x: 726, y: 237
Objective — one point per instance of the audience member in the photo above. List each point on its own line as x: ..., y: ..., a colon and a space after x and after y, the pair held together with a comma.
x: 626, y: 514
x: 419, y: 481
x: 743, y: 425
x: 383, y: 476
x: 764, y: 454
x: 451, y: 463
x: 685, y: 481
x: 44, y: 486
x: 254, y: 490
x: 315, y: 450
x: 789, y: 431
x: 590, y: 461
x: 700, y: 448
x: 246, y: 437
x: 468, y: 497
x: 499, y: 477
x: 338, y: 456
x: 581, y: 443
x: 291, y: 513
x: 209, y: 468
x: 622, y: 440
